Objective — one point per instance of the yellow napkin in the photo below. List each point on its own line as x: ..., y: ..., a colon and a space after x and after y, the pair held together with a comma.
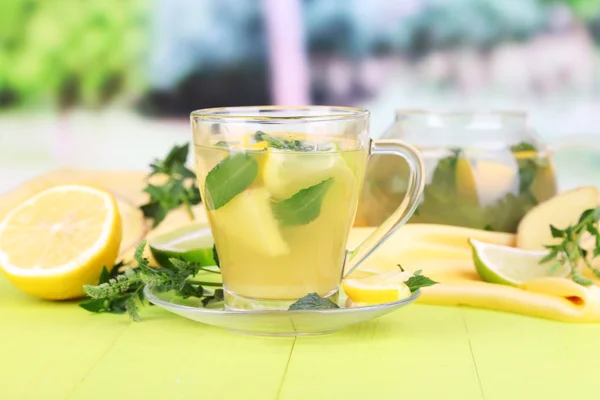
x: 443, y: 253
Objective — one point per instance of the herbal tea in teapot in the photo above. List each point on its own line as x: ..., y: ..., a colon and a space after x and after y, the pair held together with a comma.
x: 470, y: 187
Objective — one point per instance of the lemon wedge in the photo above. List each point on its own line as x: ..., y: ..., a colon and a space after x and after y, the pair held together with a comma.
x: 378, y: 288
x: 59, y: 240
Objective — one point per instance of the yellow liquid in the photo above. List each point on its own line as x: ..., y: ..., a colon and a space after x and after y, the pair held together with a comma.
x: 263, y: 257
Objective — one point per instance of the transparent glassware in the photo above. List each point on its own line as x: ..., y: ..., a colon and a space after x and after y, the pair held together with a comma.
x: 280, y: 186
x: 483, y: 170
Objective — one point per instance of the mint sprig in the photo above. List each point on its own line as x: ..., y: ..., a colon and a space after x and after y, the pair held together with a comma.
x: 179, y: 189
x: 570, y: 252
x: 122, y: 291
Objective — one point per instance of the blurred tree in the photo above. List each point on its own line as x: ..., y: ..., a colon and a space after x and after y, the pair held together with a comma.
x: 206, y: 53
x: 60, y: 53
x: 585, y: 9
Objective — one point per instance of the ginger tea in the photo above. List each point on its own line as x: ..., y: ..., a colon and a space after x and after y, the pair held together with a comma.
x: 280, y: 210
x: 483, y: 189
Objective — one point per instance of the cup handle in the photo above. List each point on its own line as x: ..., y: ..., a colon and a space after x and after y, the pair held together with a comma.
x: 405, y: 210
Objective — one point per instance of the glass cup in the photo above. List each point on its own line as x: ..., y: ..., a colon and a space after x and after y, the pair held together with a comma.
x: 280, y: 186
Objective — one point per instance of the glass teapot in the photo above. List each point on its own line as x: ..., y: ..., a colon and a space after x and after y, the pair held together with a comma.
x: 484, y: 170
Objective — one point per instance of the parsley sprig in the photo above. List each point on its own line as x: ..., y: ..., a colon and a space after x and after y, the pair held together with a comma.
x: 570, y: 251
x: 121, y: 291
x: 180, y: 188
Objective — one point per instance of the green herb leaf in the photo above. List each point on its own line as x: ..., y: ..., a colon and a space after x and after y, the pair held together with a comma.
x: 577, y: 277
x: 303, y: 207
x: 556, y: 233
x: 528, y: 167
x: 547, y: 257
x: 313, y: 301
x: 172, y: 163
x: 586, y: 215
x: 104, y: 275
x: 229, y: 178
x: 569, y: 251
x: 282, y: 144
x: 132, y: 308
x: 217, y: 297
x: 273, y: 141
x: 216, y: 256
x: 418, y: 281
x: 180, y: 188
x: 123, y: 292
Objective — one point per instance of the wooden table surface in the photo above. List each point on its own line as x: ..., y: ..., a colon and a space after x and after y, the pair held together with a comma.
x: 58, y: 351
x: 54, y: 351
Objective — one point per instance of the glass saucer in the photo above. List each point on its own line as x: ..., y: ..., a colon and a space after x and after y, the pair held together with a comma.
x: 273, y: 322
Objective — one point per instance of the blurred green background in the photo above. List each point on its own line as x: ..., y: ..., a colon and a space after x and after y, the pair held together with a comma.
x: 121, y: 76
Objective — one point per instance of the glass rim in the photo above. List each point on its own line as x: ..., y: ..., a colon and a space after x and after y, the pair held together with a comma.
x: 253, y: 114
x: 460, y: 112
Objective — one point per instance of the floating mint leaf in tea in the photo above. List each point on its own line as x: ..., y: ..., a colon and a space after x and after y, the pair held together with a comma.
x: 271, y: 140
x: 229, y: 178
x: 313, y: 301
x: 281, y: 144
x: 303, y: 207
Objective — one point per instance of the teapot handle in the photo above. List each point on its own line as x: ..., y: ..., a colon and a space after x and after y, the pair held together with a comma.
x: 574, y: 141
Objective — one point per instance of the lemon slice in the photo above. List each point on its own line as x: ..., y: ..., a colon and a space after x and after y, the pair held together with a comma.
x: 379, y: 288
x: 248, y: 221
x: 193, y: 242
x: 286, y: 173
x: 59, y: 240
x: 510, y: 265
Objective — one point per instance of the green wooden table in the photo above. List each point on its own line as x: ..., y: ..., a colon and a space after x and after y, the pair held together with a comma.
x: 58, y: 351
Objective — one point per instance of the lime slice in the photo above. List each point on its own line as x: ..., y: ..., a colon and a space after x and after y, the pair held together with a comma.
x: 512, y: 266
x: 190, y: 243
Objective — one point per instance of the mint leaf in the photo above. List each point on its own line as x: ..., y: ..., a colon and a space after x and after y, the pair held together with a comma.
x: 303, y: 207
x: 418, y: 281
x: 229, y: 178
x: 174, y: 162
x: 281, y: 144
x: 113, y: 305
x: 313, y: 301
x: 271, y: 140
x: 217, y: 297
x: 104, y: 276
x: 556, y: 233
x: 216, y: 256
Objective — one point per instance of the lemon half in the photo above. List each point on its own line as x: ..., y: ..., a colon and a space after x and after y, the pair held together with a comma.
x: 59, y: 240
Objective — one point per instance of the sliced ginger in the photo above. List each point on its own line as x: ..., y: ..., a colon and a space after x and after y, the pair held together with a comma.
x: 533, y: 232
